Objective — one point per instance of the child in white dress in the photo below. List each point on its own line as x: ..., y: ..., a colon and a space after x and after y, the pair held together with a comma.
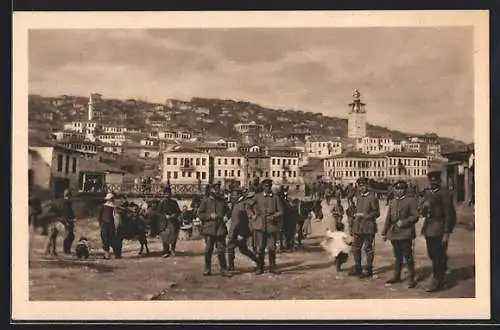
x: 337, y: 243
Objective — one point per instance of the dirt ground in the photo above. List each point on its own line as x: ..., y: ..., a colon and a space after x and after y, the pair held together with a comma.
x: 306, y: 274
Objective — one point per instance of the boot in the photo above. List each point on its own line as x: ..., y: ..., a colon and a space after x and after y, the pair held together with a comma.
x: 260, y: 265
x: 369, y: 266
x: 272, y: 263
x: 396, y: 277
x: 223, y: 266
x: 411, y: 277
x: 436, y: 284
x: 356, y: 271
x: 208, y: 265
x: 230, y: 259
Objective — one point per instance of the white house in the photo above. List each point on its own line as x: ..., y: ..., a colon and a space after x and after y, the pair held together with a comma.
x: 406, y: 165
x: 323, y: 147
x: 284, y: 167
x: 184, y: 165
x: 352, y: 165
x: 228, y: 165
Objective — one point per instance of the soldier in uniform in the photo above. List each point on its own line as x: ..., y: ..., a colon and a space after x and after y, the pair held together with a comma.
x: 440, y: 219
x: 364, y: 228
x: 170, y: 226
x: 239, y: 231
x: 337, y: 215
x: 211, y: 213
x: 399, y: 228
x: 268, y: 209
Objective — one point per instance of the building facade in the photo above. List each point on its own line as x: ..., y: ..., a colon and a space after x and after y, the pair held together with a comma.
x: 406, y: 165
x: 322, y: 147
x: 350, y: 166
x: 228, y: 165
x: 184, y: 165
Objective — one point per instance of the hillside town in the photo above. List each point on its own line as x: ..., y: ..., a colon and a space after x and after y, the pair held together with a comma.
x: 85, y: 154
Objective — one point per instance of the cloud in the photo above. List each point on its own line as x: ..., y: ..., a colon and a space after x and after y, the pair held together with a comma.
x: 412, y: 79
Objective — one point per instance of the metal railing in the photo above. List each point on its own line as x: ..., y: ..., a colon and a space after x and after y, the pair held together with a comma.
x: 154, y: 189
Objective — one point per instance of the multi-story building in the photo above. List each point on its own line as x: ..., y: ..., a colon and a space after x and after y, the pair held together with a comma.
x: 88, y: 148
x: 186, y: 165
x: 350, y: 166
x: 406, y: 165
x: 115, y: 138
x: 114, y: 129
x: 375, y: 144
x: 54, y: 168
x: 284, y: 167
x: 323, y: 147
x: 228, y: 165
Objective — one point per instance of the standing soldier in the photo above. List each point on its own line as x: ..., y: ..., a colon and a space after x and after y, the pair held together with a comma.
x: 268, y: 211
x: 440, y: 220
x: 170, y: 226
x: 399, y: 228
x: 351, y: 192
x: 239, y: 230
x: 211, y: 213
x: 337, y: 215
x: 350, y: 212
x: 364, y: 228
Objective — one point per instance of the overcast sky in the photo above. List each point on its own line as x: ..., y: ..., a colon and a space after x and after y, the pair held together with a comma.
x: 412, y: 79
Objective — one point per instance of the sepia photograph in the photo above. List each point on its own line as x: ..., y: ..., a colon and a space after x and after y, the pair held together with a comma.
x: 241, y: 165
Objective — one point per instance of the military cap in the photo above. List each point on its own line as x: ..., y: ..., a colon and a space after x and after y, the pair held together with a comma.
x: 401, y: 185
x: 267, y: 182
x: 362, y: 181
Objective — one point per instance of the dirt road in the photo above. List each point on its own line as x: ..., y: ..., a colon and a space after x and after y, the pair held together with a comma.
x: 306, y: 274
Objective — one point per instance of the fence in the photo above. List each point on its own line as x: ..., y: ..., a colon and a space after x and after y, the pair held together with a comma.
x: 155, y: 189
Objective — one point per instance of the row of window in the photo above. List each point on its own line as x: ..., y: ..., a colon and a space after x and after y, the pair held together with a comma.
x: 176, y: 175
x: 279, y: 161
x: 61, y: 163
x: 356, y: 163
x: 186, y: 161
x: 378, y: 174
x: 229, y: 173
x: 408, y: 162
x: 233, y: 161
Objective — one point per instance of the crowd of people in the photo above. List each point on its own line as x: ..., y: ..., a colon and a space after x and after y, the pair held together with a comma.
x: 256, y: 220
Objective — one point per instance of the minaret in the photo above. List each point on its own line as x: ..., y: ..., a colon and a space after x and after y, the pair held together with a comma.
x: 90, y: 108
x: 357, y: 117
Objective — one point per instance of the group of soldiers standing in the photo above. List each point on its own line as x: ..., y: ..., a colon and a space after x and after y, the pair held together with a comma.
x: 404, y: 211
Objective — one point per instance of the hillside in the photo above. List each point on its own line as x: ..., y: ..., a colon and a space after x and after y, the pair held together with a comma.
x: 211, y: 116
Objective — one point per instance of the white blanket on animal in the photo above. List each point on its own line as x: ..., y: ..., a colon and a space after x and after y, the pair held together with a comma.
x: 336, y: 242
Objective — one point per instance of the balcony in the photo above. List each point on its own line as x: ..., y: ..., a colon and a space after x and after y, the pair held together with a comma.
x: 187, y: 167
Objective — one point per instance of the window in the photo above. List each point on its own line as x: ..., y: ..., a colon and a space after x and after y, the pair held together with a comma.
x: 273, y: 174
x: 278, y: 161
x: 203, y: 175
x: 225, y: 173
x: 175, y: 174
x: 74, y: 165
x: 219, y: 173
x: 220, y: 161
x: 239, y: 161
x: 203, y: 162
x: 174, y: 161
x: 66, y: 165
x: 239, y: 173
x: 197, y: 162
x: 183, y: 174
x: 232, y: 172
x: 274, y: 162
x: 232, y: 161
x: 168, y: 174
x: 225, y: 161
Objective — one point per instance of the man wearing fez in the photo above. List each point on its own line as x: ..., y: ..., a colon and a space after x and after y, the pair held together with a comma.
x: 440, y: 219
x: 211, y: 212
x: 364, y: 228
x: 399, y: 228
x: 170, y: 226
x: 268, y: 210
x: 239, y: 230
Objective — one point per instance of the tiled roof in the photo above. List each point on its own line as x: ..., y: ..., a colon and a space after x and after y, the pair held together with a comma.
x: 405, y: 154
x: 95, y: 166
x: 357, y: 154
